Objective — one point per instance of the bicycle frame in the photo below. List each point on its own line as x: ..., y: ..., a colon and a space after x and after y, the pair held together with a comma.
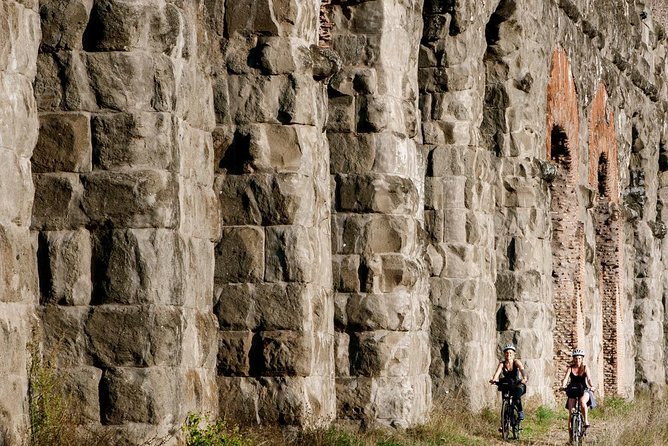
x: 510, y: 417
x: 577, y: 426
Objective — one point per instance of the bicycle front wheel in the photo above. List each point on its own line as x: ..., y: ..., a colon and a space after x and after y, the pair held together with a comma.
x: 576, y: 430
x: 506, y: 409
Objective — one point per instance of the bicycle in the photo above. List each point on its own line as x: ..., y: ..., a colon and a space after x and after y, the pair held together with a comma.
x: 577, y: 427
x: 510, y: 413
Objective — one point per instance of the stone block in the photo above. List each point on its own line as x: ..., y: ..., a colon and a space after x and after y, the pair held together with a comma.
x: 64, y: 143
x: 285, y: 353
x: 454, y: 226
x: 199, y: 392
x: 120, y: 26
x: 445, y: 193
x: 381, y: 353
x: 397, y: 272
x: 392, y: 311
x: 402, y: 402
x: 302, y: 101
x: 64, y: 335
x: 269, y: 148
x: 255, y: 99
x: 282, y: 55
x: 194, y: 103
x: 131, y: 81
x: 234, y: 348
x: 139, y: 395
x: 390, y: 234
x: 385, y: 194
x: 454, y: 294
x: 65, y: 267
x: 58, y: 202
x: 341, y: 116
x: 81, y: 385
x: 79, y: 94
x: 240, y: 255
x: 346, y: 273
x: 139, y: 139
x: 138, y: 266
x: 268, y: 306
x: 135, y: 336
x: 354, y: 398
x: 341, y: 310
x: 266, y: 199
x: 376, y: 233
x: 18, y: 116
x: 64, y: 23
x: 200, y: 344
x: 341, y: 354
x: 380, y: 113
x: 13, y: 402
x: 199, y: 263
x: 462, y: 261
x: 351, y: 153
x: 289, y: 254
x: 196, y: 153
x: 199, y: 210
x: 20, y: 37
x: 272, y: 400
x: 18, y: 268
x: 49, y: 89
x: 134, y: 199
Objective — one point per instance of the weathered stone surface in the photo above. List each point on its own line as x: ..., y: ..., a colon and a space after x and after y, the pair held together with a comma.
x: 131, y: 81
x: 135, y: 336
x: 133, y: 139
x: 64, y: 23
x: 138, y: 395
x: 18, y: 269
x: 65, y: 267
x: 134, y: 199
x: 263, y: 199
x: 58, y: 201
x: 240, y: 255
x: 138, y: 266
x: 267, y: 306
x: 63, y: 144
x: 81, y: 384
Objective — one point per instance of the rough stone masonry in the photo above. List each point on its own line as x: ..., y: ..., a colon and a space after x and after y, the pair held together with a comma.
x: 300, y: 211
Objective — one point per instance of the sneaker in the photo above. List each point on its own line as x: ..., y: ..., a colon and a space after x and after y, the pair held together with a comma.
x: 521, y: 415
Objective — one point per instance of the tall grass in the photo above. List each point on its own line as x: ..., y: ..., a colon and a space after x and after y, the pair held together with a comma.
x: 641, y: 422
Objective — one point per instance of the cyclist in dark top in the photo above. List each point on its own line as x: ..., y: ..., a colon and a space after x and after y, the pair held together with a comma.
x: 511, y: 372
x: 578, y: 385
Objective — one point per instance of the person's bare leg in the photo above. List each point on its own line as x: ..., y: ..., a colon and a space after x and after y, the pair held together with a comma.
x: 570, y: 405
x: 583, y: 406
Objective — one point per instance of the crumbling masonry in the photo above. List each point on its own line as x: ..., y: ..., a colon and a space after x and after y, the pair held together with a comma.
x: 302, y: 211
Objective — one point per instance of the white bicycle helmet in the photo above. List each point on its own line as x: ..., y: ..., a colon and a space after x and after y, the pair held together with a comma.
x: 508, y: 347
x: 578, y: 352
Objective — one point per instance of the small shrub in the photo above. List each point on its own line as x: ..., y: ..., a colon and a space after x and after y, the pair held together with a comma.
x: 51, y: 417
x: 200, y: 431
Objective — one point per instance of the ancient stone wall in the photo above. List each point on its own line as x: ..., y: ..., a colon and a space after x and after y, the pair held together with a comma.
x: 300, y: 211
x: 273, y: 262
x: 19, y: 40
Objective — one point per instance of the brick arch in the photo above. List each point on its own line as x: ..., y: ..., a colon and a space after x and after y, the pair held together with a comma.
x: 562, y: 107
x: 562, y: 149
x: 603, y: 147
x: 604, y: 178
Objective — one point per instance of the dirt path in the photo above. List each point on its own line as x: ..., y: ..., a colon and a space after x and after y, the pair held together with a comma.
x: 558, y: 436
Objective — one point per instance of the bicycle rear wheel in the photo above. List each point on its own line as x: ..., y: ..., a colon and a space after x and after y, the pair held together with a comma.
x: 506, y: 409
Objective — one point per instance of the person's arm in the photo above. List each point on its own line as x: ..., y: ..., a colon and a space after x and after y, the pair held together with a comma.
x: 496, y: 374
x: 520, y: 367
x: 589, y: 383
x: 564, y: 382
